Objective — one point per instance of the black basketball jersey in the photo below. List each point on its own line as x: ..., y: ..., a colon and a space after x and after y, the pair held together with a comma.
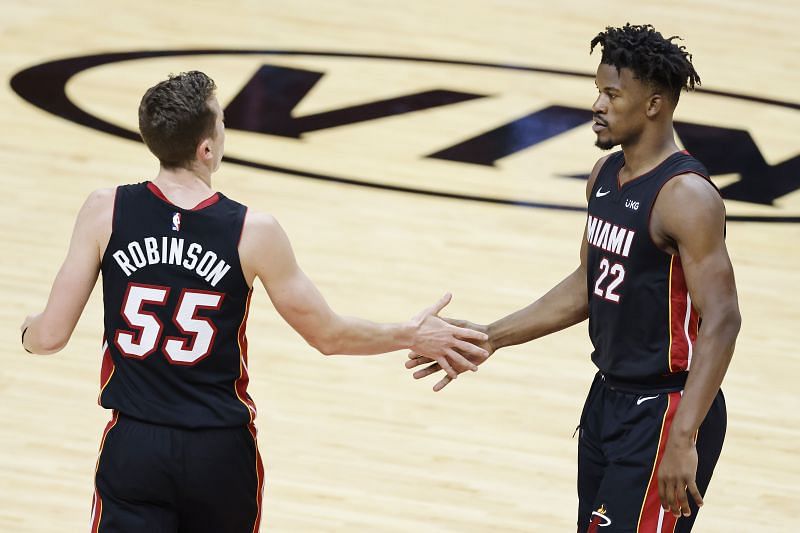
x: 641, y: 320
x: 176, y: 304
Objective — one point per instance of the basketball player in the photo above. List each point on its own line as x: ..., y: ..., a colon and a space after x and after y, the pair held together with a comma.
x: 178, y: 262
x: 653, y: 264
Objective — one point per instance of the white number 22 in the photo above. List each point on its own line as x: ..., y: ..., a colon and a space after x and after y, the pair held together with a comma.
x: 617, y: 271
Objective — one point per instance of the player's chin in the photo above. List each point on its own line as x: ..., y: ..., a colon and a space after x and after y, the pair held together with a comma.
x: 605, y: 142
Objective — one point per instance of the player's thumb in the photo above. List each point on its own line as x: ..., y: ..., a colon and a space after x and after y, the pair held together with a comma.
x: 441, y: 304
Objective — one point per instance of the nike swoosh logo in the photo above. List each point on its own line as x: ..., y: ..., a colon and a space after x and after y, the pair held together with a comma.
x: 600, y: 192
x: 643, y: 399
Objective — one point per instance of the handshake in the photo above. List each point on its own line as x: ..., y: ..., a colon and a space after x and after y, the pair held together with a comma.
x: 448, y: 345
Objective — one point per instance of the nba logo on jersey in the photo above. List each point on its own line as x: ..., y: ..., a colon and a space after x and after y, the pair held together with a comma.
x: 176, y: 221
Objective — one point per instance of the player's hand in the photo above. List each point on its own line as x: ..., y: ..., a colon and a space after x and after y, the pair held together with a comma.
x: 417, y: 359
x: 450, y: 346
x: 676, y: 477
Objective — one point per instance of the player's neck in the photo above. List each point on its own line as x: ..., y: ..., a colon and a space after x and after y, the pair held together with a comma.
x: 646, y: 154
x: 186, y: 179
x: 183, y: 187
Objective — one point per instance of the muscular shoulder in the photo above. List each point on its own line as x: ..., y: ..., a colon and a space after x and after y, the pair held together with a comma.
x: 264, y: 244
x: 259, y: 226
x: 688, y: 205
x: 98, y: 210
x: 101, y: 199
x: 693, y: 196
x: 94, y: 221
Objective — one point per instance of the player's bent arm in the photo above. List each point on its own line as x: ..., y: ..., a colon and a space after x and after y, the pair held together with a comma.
x: 690, y: 213
x: 564, y: 305
x: 49, y: 331
x: 267, y: 254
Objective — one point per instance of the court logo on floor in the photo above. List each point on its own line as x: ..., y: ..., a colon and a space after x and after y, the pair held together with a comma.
x: 500, y: 133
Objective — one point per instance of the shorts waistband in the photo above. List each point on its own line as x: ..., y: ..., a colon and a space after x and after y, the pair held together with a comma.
x: 655, y: 385
x: 137, y: 420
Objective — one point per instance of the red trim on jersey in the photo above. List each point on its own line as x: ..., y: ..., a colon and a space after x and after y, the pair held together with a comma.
x: 260, y: 477
x: 106, y: 370
x: 211, y: 200
x: 240, y: 387
x: 652, y: 518
x: 155, y: 190
x: 97, y: 502
x: 682, y: 334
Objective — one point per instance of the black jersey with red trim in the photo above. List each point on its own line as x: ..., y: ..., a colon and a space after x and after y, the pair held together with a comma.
x: 641, y: 320
x: 176, y: 304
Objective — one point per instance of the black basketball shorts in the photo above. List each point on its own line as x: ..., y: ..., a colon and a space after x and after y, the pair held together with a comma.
x: 160, y: 479
x: 622, y: 439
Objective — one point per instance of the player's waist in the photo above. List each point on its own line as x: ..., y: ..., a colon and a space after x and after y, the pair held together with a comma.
x: 660, y: 384
x: 183, y: 424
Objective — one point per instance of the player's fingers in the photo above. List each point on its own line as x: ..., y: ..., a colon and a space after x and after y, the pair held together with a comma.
x: 455, y: 322
x: 695, y: 492
x: 427, y: 371
x: 445, y: 364
x: 442, y: 384
x: 414, y: 355
x: 469, y: 334
x: 468, y: 348
x: 674, y: 499
x: 662, y: 494
x: 459, y: 361
x: 411, y: 363
x: 667, y: 493
x: 683, y: 502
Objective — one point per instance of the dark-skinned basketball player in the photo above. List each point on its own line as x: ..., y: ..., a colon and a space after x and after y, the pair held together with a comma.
x: 179, y: 261
x: 657, y: 285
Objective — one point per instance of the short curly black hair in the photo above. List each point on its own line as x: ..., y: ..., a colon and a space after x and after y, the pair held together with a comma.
x: 651, y: 57
x: 174, y: 116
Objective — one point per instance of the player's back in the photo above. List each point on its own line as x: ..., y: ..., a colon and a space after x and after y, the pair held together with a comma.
x: 176, y: 303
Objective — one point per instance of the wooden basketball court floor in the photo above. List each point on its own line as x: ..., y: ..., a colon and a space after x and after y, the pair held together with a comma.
x: 354, y: 444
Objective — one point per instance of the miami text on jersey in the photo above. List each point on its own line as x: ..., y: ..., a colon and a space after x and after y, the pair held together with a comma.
x: 608, y: 236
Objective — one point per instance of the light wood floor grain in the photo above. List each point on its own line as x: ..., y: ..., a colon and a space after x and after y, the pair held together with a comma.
x: 354, y: 444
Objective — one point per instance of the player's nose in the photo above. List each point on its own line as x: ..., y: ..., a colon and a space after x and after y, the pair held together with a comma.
x: 599, y: 105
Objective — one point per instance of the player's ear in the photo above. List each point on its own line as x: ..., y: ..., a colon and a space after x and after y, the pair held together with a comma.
x: 204, y: 152
x: 655, y: 103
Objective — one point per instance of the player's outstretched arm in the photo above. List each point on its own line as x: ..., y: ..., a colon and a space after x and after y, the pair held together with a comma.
x: 267, y: 254
x: 690, y: 215
x: 564, y: 305
x: 49, y: 331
